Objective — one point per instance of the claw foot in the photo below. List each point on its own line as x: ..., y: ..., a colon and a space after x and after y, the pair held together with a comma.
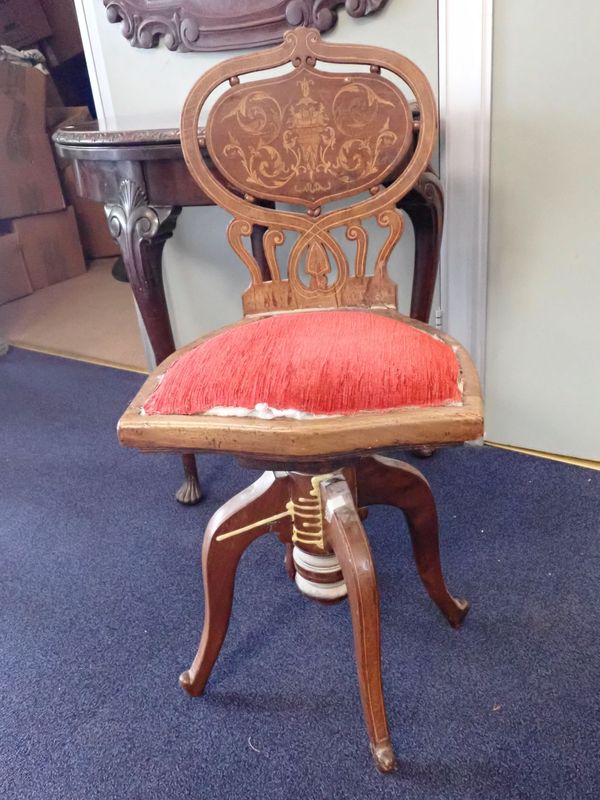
x: 189, y: 493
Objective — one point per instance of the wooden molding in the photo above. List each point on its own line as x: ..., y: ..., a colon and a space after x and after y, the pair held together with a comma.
x: 206, y: 25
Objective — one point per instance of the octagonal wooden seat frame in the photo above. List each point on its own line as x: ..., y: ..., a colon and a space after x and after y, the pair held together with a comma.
x: 312, y: 138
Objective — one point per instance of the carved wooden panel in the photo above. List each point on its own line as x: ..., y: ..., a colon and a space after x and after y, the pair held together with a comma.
x: 204, y: 25
x: 309, y: 136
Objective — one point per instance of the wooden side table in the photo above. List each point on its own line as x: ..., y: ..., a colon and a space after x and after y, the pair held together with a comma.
x: 143, y: 181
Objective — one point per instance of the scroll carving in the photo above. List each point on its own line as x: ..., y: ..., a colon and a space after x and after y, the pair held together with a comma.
x: 237, y: 229
x: 205, y: 25
x: 392, y: 219
x: 132, y: 222
x: 272, y: 239
x: 356, y: 233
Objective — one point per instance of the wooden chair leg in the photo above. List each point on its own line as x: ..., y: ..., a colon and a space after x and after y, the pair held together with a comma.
x: 250, y: 514
x: 386, y: 481
x: 346, y: 536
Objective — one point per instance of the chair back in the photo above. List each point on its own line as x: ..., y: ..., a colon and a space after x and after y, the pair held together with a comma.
x: 333, y: 147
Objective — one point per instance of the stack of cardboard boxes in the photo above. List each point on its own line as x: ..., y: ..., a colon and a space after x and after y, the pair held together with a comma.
x: 43, y: 222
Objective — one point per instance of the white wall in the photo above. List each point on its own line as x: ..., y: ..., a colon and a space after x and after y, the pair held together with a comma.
x: 543, y: 337
x: 146, y: 88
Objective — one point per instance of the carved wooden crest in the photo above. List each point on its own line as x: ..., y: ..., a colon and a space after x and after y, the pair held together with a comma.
x: 309, y: 138
x: 204, y: 25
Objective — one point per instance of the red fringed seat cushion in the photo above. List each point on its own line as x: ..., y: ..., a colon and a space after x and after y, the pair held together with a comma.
x: 319, y: 362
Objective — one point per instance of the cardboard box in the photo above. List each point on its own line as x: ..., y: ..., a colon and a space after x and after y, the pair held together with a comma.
x: 91, y: 220
x: 29, y: 179
x: 14, y: 278
x: 50, y: 246
x: 65, y: 41
x: 22, y: 23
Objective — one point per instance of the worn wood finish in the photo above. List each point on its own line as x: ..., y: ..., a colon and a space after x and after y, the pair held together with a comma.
x: 346, y: 536
x: 389, y: 482
x: 283, y: 440
x: 309, y: 282
x: 220, y: 557
x: 311, y: 150
x: 205, y: 25
x: 317, y: 503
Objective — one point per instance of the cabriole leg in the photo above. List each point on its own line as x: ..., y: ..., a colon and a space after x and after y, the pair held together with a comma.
x: 386, y: 481
x: 232, y: 528
x: 346, y: 536
x: 141, y: 231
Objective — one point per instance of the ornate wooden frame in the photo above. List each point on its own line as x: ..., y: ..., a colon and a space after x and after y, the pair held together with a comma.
x: 262, y: 119
x: 206, y: 25
x: 348, y: 285
x: 313, y: 138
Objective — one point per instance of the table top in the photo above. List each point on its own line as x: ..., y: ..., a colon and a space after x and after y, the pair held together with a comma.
x: 84, y: 140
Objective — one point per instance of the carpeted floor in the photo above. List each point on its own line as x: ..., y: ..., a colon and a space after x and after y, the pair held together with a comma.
x: 100, y: 601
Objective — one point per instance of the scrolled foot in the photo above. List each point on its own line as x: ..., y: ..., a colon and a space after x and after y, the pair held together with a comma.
x: 384, y: 757
x: 423, y: 451
x: 189, y: 493
x: 185, y: 681
x: 457, y: 614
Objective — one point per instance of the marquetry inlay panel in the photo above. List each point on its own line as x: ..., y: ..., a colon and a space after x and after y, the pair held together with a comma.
x: 309, y: 136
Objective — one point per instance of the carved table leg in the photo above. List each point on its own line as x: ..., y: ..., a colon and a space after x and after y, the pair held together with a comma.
x: 251, y: 513
x: 425, y: 207
x: 386, y: 481
x: 345, y: 534
x: 141, y: 231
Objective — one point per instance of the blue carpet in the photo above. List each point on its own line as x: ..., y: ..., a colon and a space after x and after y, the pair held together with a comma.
x: 100, y: 610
